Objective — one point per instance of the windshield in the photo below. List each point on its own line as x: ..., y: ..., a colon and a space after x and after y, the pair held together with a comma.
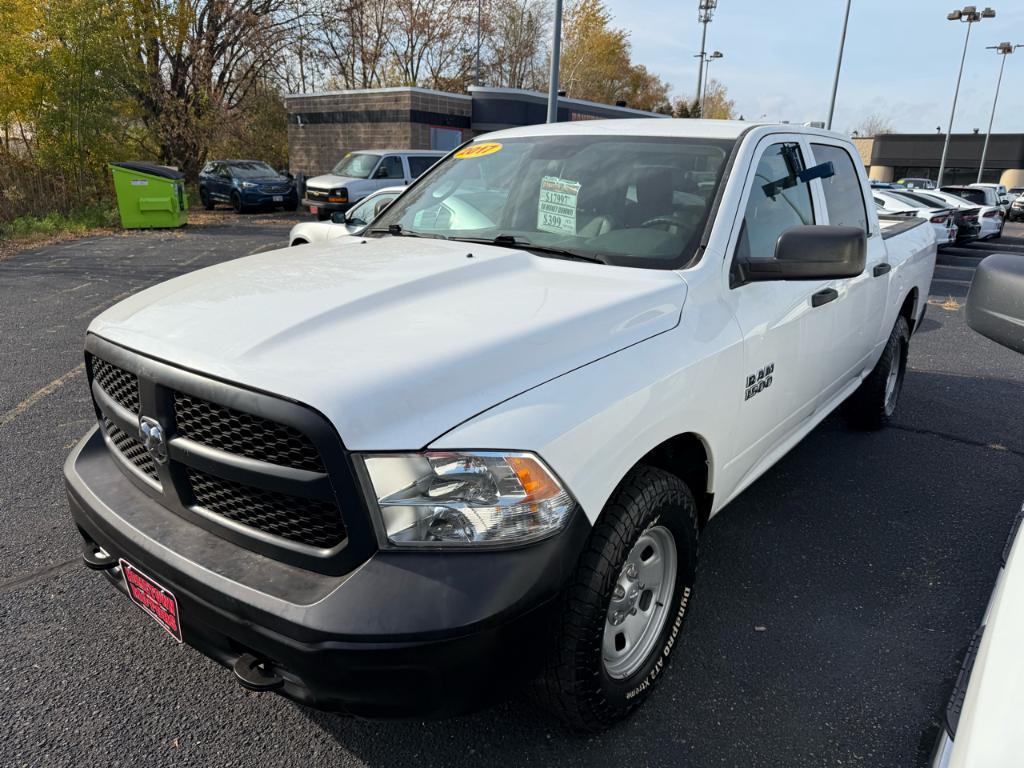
x: 251, y: 169
x: 632, y: 201
x: 357, y: 166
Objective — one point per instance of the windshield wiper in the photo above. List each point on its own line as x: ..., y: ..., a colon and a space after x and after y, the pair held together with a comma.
x: 516, y: 241
x: 398, y: 231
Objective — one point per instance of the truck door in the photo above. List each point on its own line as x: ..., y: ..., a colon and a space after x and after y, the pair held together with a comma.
x: 787, y: 325
x: 860, y: 306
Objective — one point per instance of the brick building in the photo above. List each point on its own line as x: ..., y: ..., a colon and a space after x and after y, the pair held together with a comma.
x: 322, y: 127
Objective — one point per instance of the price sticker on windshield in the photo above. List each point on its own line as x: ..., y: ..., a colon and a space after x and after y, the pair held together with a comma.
x: 556, y: 207
x: 478, y: 150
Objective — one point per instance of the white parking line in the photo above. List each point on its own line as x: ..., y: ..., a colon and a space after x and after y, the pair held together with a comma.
x: 39, y: 394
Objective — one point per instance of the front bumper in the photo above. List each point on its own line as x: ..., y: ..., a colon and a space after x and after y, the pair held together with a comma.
x: 255, y: 197
x: 407, y: 634
x: 324, y: 206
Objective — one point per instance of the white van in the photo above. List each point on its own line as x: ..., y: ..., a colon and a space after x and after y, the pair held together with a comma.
x: 358, y: 174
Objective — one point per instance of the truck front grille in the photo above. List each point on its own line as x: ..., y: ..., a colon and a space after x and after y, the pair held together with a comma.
x: 238, y: 432
x: 307, y: 521
x: 131, y: 449
x: 122, y: 386
x: 256, y: 477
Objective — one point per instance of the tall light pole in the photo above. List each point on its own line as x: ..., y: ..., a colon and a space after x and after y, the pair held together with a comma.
x: 969, y: 14
x: 556, y: 49
x: 705, y: 10
x: 839, y: 65
x: 707, y: 68
x: 1003, y: 49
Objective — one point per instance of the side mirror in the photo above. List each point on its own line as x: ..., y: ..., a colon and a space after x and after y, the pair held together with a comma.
x: 382, y: 173
x: 812, y: 252
x: 286, y: 173
x: 338, y: 217
x: 995, y: 302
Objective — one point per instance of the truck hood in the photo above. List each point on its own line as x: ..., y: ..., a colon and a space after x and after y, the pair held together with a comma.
x: 330, y: 181
x: 396, y: 340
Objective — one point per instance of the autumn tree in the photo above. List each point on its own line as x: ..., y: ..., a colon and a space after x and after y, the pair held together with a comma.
x: 596, y: 63
x: 515, y: 46
x: 190, y: 64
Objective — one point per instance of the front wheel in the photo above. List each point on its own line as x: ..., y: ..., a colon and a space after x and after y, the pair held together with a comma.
x: 873, y: 403
x: 626, y: 603
x: 204, y: 198
x: 236, y: 203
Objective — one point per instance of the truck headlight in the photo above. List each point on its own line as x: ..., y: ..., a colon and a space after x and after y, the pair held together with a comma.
x: 460, y: 498
x: 249, y: 185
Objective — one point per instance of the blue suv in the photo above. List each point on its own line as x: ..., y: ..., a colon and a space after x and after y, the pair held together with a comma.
x: 246, y: 185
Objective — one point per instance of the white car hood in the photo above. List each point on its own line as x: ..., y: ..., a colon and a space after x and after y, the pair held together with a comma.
x: 396, y: 340
x: 329, y: 181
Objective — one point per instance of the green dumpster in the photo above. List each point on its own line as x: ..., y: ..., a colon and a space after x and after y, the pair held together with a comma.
x: 149, y: 195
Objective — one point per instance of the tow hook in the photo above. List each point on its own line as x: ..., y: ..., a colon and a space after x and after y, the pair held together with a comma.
x: 256, y: 674
x: 97, y: 557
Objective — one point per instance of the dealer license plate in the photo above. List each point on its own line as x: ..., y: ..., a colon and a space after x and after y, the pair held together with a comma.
x: 278, y: 198
x: 155, y: 599
x: 314, y: 210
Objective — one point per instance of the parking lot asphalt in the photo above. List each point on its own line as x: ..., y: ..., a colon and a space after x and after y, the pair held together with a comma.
x: 835, y: 599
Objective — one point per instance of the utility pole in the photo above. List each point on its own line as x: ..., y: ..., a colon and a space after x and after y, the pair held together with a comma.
x: 839, y: 65
x: 707, y: 78
x: 1003, y: 49
x: 705, y: 10
x: 556, y: 50
x: 969, y: 14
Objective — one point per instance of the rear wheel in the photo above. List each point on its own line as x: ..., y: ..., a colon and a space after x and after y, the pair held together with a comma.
x: 626, y: 603
x: 872, y: 405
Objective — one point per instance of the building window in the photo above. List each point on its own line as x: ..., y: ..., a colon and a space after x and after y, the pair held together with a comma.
x: 445, y: 139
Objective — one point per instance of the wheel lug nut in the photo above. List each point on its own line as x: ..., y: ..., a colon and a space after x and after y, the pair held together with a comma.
x: 631, y: 571
x: 618, y: 617
x: 619, y: 592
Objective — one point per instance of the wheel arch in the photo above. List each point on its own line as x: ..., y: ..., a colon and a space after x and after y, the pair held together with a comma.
x: 909, y: 308
x: 687, y: 456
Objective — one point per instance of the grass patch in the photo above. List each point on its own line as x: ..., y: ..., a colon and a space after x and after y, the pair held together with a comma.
x: 56, y: 224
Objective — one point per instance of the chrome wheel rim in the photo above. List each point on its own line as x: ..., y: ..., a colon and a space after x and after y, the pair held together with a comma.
x: 639, y: 605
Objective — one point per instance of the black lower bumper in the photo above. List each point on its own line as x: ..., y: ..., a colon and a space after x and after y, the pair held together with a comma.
x: 407, y: 634
x: 326, y: 207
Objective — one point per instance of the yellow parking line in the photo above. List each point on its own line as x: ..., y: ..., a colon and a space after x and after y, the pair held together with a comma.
x: 39, y: 394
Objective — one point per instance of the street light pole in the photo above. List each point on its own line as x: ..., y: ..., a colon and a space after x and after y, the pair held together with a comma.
x: 707, y: 77
x: 968, y: 14
x: 839, y: 65
x: 556, y: 49
x: 705, y: 10
x: 1003, y: 49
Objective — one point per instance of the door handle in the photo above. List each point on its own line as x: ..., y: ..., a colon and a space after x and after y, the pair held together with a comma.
x: 881, y: 269
x: 824, y: 297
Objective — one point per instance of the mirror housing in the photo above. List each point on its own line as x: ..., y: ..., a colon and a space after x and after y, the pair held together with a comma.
x: 382, y: 173
x: 995, y: 302
x: 338, y: 217
x: 812, y: 252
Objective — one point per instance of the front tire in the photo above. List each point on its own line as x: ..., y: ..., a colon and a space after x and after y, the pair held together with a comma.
x: 323, y: 215
x: 872, y: 405
x: 625, y: 604
x: 204, y: 198
x: 236, y: 203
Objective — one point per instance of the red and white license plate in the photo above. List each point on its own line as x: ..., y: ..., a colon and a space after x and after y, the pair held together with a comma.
x: 314, y: 210
x: 155, y: 599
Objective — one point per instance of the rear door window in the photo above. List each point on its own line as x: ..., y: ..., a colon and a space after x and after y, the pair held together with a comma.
x: 843, y: 196
x: 418, y: 164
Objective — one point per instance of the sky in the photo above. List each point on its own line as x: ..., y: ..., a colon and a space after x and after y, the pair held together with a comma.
x: 900, y: 61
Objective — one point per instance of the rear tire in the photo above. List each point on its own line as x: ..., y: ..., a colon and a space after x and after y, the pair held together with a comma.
x: 872, y: 405
x: 626, y: 603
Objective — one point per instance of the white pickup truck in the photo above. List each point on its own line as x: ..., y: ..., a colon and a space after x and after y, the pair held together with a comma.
x: 395, y: 474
